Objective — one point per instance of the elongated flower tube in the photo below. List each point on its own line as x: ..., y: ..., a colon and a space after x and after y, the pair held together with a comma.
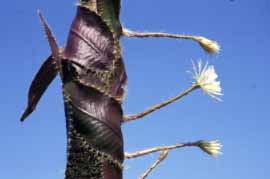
x: 206, y: 78
x: 210, y: 46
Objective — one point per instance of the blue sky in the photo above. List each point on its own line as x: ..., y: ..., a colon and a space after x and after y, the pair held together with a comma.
x: 157, y: 70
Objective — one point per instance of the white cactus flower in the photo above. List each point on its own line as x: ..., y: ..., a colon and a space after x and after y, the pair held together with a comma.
x: 205, y: 77
x: 212, y: 148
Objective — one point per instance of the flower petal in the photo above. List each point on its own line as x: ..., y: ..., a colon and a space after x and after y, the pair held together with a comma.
x: 205, y: 76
